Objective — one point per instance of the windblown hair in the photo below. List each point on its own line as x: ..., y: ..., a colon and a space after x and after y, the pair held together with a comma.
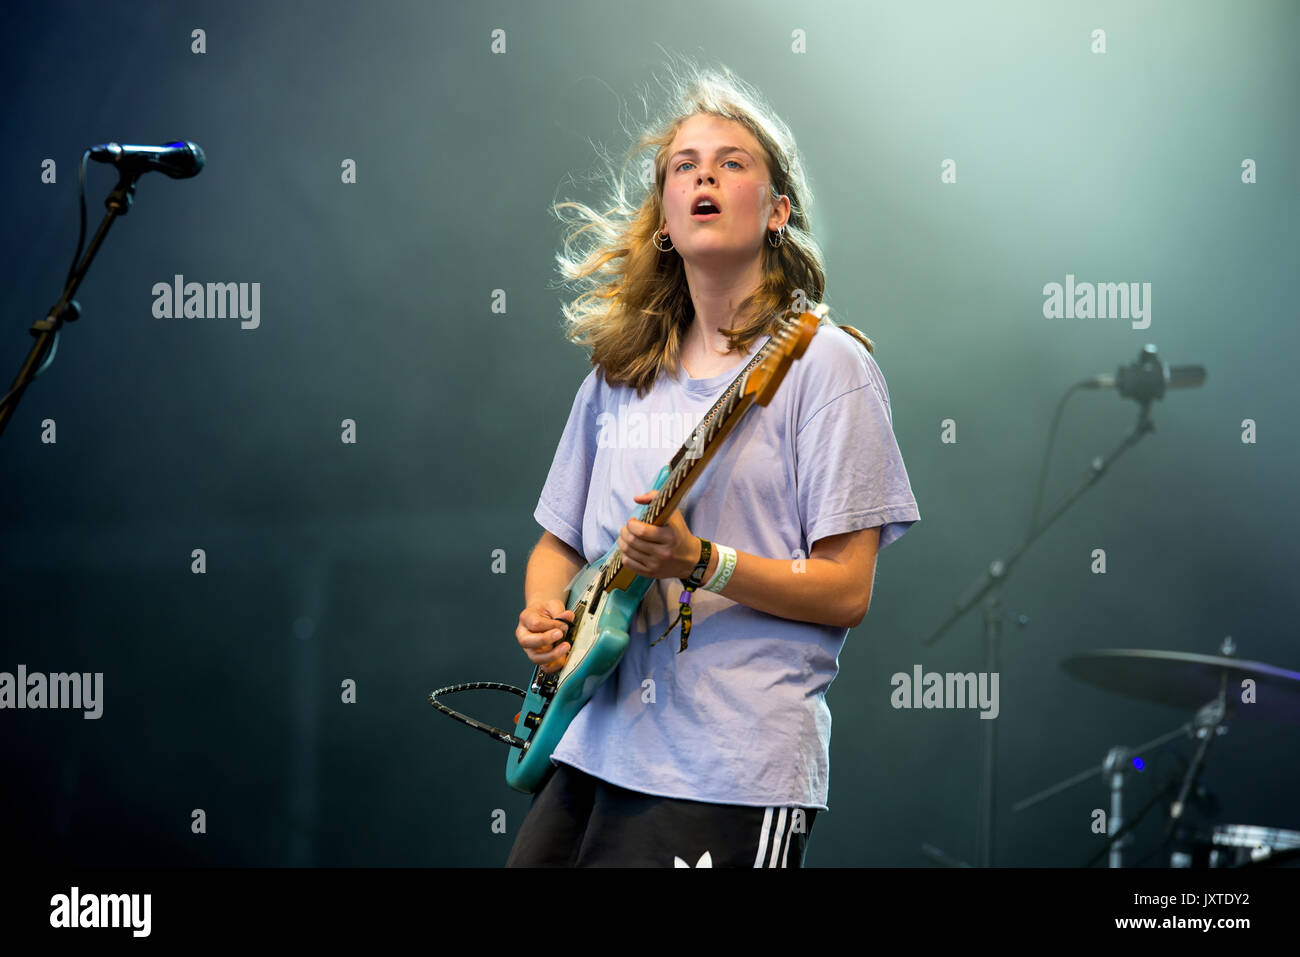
x: 635, y: 307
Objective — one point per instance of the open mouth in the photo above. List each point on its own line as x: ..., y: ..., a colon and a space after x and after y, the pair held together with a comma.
x: 705, y: 209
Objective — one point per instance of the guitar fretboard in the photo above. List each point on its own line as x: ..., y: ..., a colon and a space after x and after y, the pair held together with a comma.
x: 686, y: 465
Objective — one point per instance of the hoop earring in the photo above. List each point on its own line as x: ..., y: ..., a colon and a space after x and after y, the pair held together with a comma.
x: 780, y: 238
x: 662, y: 249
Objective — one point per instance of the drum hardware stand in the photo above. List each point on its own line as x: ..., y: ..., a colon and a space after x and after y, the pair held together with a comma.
x: 1209, y: 725
x: 1115, y: 764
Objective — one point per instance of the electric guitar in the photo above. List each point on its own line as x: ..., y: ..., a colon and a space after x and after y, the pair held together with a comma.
x: 604, y: 595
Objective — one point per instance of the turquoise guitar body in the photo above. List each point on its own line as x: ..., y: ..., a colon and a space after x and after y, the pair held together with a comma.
x: 598, y: 639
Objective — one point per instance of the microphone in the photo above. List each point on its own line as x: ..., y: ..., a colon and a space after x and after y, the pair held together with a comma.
x: 1148, y: 377
x: 179, y: 160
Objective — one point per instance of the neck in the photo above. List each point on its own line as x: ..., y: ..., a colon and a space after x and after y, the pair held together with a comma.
x: 716, y: 294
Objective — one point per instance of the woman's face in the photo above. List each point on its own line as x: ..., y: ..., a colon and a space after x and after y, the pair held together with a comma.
x: 719, y: 157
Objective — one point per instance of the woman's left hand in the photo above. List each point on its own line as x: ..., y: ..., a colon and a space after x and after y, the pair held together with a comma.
x: 659, y: 551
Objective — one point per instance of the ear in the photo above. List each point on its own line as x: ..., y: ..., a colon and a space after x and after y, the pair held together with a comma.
x: 780, y: 212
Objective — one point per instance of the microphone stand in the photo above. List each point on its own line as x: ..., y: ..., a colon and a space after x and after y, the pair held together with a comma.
x: 987, y: 587
x: 66, y: 309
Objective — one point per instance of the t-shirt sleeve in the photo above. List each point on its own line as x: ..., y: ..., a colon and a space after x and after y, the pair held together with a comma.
x: 849, y: 469
x: 563, y: 501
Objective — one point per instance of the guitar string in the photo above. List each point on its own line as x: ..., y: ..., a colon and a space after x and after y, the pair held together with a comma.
x: 713, y: 419
x: 711, y: 422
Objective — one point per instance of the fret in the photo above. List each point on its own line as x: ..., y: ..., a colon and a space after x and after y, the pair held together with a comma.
x: 698, y: 448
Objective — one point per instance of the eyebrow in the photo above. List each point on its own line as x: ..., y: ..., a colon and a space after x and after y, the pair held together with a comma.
x: 721, y: 150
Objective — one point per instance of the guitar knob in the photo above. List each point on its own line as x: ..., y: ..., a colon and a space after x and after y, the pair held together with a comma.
x: 532, y: 721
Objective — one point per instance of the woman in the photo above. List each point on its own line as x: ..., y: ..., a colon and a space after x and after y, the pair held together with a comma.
x: 711, y: 751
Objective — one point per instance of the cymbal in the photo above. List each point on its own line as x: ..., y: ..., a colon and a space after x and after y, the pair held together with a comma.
x: 1184, y: 680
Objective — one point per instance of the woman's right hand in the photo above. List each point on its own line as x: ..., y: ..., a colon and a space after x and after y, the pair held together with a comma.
x: 540, y: 629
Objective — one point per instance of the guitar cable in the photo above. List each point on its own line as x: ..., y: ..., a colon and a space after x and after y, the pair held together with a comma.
x: 504, y: 737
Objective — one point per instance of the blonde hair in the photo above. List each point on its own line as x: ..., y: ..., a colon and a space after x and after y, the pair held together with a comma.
x: 635, y: 305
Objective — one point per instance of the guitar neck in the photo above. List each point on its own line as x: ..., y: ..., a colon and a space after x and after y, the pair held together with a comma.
x: 699, y: 449
x: 691, y: 458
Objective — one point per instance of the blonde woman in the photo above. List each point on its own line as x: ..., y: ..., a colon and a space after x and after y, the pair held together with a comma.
x: 715, y: 754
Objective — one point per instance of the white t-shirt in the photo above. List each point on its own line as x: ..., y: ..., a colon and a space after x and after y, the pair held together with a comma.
x: 740, y: 717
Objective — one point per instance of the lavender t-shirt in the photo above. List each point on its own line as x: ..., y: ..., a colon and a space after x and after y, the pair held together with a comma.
x: 740, y: 717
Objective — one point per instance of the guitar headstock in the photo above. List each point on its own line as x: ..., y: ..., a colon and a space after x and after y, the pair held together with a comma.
x: 788, y: 343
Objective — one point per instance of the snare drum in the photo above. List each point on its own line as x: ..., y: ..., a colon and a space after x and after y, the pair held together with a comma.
x: 1233, y: 845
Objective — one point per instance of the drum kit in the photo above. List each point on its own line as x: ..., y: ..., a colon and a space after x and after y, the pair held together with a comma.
x: 1216, y: 688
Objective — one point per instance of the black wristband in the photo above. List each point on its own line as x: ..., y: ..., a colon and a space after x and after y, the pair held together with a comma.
x: 697, y: 575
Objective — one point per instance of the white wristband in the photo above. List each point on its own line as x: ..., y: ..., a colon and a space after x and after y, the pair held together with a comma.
x: 726, y: 565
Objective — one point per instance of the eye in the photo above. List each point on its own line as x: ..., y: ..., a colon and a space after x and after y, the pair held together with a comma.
x: 689, y: 163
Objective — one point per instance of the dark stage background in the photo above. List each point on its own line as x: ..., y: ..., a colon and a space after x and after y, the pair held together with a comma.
x: 374, y: 561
